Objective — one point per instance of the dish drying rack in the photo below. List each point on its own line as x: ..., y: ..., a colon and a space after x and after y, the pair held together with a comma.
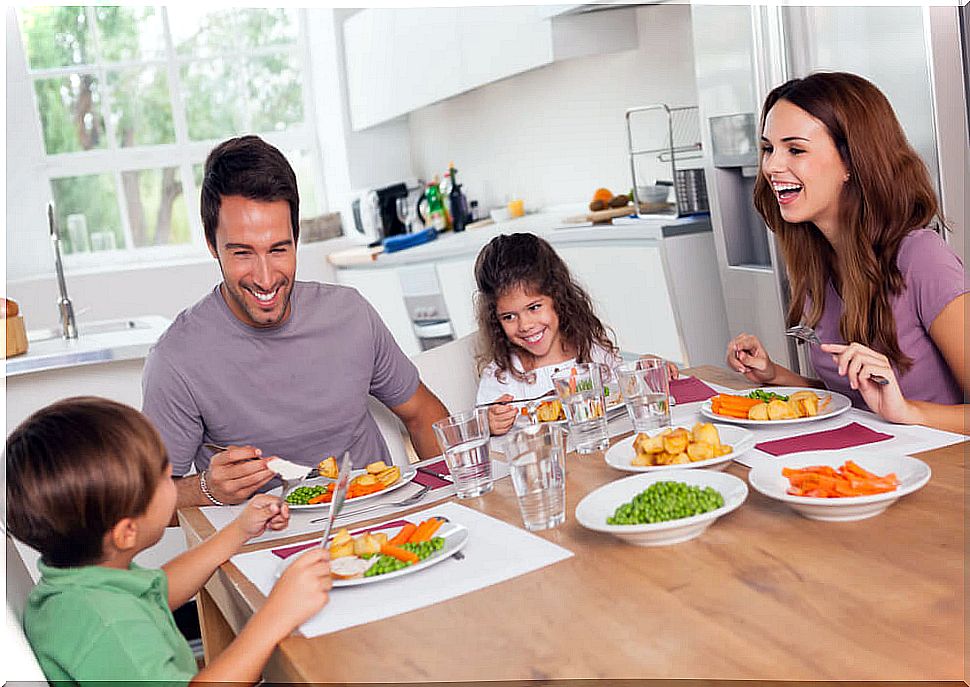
x: 674, y: 137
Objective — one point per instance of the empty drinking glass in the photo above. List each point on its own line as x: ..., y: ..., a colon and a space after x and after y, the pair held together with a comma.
x: 646, y: 393
x: 538, y: 469
x: 463, y: 438
x: 581, y: 391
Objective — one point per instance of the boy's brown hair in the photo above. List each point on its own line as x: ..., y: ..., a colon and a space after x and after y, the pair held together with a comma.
x: 74, y: 470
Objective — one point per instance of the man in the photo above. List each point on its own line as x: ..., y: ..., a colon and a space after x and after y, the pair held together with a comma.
x: 267, y: 365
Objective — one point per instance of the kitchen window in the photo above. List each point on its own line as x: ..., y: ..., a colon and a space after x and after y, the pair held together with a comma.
x: 130, y: 100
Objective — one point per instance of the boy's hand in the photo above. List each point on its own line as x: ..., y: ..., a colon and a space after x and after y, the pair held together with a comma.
x: 501, y: 417
x: 302, y: 590
x: 262, y: 512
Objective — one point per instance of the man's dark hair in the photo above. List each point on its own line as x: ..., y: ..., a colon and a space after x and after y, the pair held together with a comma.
x: 249, y: 167
x: 75, y: 469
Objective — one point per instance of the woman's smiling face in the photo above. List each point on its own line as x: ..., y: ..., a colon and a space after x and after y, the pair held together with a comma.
x: 531, y: 323
x: 801, y: 162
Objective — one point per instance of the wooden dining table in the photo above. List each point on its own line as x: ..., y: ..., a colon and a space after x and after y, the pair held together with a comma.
x: 763, y: 594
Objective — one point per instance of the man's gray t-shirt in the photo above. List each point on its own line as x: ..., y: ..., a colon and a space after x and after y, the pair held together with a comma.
x: 298, y: 391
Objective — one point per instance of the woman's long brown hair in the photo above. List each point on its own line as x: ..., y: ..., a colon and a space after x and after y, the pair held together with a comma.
x: 888, y: 194
x: 527, y: 261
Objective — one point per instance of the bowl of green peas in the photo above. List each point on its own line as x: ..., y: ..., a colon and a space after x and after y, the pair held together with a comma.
x: 656, y: 509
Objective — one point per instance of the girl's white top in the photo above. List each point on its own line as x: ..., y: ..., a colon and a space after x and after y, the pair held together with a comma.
x: 490, y: 388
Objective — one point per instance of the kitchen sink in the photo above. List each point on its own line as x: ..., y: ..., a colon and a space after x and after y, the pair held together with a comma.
x: 88, y: 328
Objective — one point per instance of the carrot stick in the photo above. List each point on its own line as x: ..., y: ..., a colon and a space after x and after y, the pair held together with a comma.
x: 399, y: 553
x: 404, y: 535
x: 426, y: 531
x: 416, y: 537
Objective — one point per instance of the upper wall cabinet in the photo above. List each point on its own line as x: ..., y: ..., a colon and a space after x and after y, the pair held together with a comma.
x: 399, y: 60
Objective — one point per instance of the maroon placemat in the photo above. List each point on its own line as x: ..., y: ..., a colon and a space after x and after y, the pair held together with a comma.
x: 847, y: 436
x: 287, y: 551
x: 427, y: 475
x: 690, y: 389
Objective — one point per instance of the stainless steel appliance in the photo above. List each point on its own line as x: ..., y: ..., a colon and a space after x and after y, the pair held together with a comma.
x: 375, y: 211
x: 425, y: 305
x: 741, y: 53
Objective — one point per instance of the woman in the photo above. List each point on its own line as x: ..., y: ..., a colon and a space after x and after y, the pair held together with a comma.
x: 852, y: 204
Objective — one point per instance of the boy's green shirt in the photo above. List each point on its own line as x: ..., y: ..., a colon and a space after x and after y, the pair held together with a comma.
x: 94, y: 623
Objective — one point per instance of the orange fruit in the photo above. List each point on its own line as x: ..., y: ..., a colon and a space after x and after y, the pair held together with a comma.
x: 604, y: 194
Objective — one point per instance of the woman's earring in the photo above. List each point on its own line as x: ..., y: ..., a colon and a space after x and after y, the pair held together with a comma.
x: 846, y: 178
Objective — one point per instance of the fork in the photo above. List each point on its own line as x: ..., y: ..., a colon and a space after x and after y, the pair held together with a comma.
x: 548, y: 394
x: 804, y: 333
x: 288, y: 485
x: 410, y: 500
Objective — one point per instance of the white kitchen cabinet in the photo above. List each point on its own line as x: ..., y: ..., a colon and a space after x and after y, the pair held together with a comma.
x: 382, y: 289
x: 399, y: 60
x: 629, y: 290
x: 456, y: 278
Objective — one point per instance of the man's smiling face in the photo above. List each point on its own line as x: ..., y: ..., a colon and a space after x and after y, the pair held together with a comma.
x: 257, y: 255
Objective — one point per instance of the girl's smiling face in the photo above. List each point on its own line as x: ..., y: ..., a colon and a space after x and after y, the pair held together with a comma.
x: 801, y: 162
x: 531, y: 323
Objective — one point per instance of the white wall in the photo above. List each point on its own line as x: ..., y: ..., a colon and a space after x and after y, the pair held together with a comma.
x: 554, y: 134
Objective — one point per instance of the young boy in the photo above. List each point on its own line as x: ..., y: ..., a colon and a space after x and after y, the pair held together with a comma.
x: 89, y: 485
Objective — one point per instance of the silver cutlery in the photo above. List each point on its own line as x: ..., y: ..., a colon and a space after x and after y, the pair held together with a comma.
x: 339, y: 493
x: 808, y: 335
x: 514, y: 401
x: 410, y: 500
x: 426, y: 471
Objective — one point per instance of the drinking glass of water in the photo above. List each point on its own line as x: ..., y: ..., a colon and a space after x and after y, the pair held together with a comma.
x: 646, y: 393
x: 538, y: 469
x: 463, y: 438
x: 581, y: 391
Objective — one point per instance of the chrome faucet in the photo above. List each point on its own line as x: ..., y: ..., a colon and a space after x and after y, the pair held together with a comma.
x: 66, y: 310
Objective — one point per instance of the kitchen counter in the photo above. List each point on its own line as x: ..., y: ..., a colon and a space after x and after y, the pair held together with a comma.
x: 550, y: 225
x: 103, y: 342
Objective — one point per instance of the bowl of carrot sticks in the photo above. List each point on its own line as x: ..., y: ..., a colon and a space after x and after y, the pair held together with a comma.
x: 839, y: 487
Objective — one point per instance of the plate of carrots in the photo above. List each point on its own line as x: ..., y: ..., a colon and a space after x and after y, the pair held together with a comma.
x: 317, y: 493
x: 834, y: 486
x: 790, y: 401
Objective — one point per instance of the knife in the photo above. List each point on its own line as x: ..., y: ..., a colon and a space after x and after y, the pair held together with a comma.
x: 339, y: 493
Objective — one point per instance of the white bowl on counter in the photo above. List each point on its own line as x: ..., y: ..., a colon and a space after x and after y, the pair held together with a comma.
x: 912, y: 473
x: 500, y: 214
x: 600, y: 504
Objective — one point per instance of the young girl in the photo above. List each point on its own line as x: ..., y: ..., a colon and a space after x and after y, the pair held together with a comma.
x: 89, y: 486
x: 853, y: 207
x: 533, y: 320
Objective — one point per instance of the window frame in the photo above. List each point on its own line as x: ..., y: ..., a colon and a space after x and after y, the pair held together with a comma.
x: 183, y: 153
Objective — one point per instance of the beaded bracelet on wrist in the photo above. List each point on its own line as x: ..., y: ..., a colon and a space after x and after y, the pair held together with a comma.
x: 205, y: 489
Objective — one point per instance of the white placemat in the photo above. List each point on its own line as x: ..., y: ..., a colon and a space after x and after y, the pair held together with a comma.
x: 300, y: 520
x: 496, y: 551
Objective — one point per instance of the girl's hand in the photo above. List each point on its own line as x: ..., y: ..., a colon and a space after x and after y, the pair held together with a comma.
x: 673, y: 372
x: 858, y: 363
x: 302, y: 590
x: 501, y: 417
x: 263, y: 511
x: 746, y: 355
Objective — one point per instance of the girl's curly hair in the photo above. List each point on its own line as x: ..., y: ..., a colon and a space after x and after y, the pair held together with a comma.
x: 529, y: 262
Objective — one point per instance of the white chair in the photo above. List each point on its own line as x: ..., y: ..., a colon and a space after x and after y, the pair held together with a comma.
x: 449, y: 372
x: 19, y: 664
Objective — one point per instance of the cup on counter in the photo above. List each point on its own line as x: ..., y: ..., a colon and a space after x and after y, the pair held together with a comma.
x: 580, y: 389
x: 538, y: 470
x: 463, y: 438
x: 516, y: 208
x: 646, y: 392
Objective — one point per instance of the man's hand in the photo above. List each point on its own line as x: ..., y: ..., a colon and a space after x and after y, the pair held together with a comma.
x: 236, y: 473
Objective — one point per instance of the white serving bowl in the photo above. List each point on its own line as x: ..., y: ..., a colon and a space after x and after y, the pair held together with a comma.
x: 912, y: 473
x: 621, y: 454
x: 600, y: 504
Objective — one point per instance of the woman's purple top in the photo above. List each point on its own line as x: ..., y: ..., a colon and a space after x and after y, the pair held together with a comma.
x: 933, y: 276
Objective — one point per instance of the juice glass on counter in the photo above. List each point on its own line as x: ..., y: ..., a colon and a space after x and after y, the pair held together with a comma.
x: 580, y: 389
x: 463, y: 438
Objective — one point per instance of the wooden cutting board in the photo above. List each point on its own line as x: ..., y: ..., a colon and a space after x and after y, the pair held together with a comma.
x: 16, y: 336
x: 608, y: 215
x: 354, y: 256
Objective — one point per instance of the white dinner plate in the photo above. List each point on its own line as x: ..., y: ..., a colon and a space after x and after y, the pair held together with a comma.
x: 838, y: 405
x: 407, y: 474
x: 455, y: 536
x: 621, y: 454
x: 912, y: 473
x: 602, y: 503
